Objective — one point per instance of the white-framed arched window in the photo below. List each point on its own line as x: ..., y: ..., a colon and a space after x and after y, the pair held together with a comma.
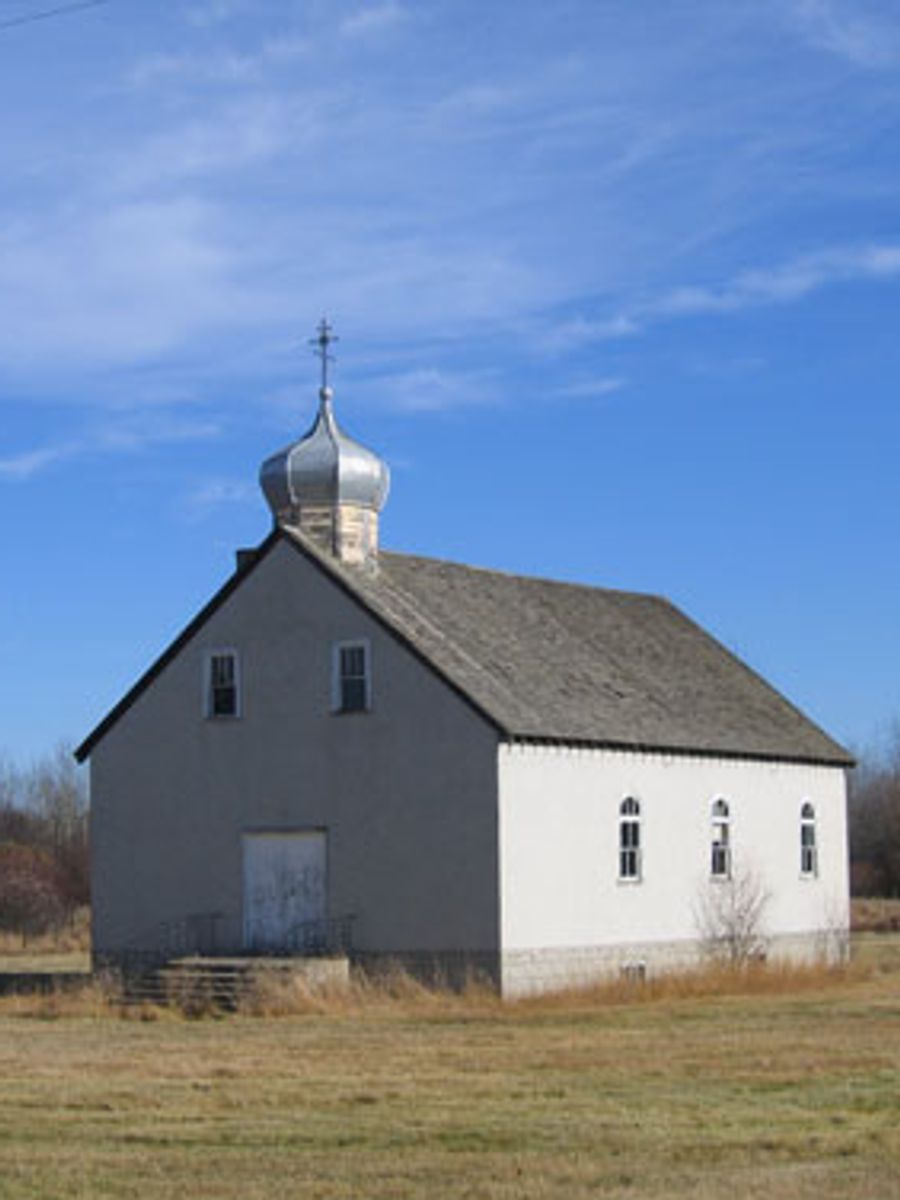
x: 720, y: 857
x: 630, y: 839
x: 809, y: 850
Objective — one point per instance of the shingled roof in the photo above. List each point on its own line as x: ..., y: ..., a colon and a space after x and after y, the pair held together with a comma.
x: 559, y: 662
x: 550, y: 661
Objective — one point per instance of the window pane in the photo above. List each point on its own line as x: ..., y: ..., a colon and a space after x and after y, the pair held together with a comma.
x: 222, y: 670
x: 224, y: 702
x: 719, y: 859
x: 629, y: 834
x: 353, y: 661
x: 628, y: 864
x: 353, y: 695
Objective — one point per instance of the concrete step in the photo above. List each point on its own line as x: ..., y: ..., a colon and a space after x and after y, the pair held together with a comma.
x: 200, y: 983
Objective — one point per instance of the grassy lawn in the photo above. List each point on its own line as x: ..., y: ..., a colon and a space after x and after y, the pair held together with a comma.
x: 785, y: 1093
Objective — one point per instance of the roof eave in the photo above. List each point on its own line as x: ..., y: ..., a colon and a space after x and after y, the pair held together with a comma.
x: 843, y: 762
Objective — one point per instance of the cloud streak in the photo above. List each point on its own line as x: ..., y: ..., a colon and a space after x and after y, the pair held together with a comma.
x: 855, y: 30
x: 131, y: 433
x: 786, y: 283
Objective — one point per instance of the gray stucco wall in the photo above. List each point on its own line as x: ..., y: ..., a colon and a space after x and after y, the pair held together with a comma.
x: 407, y: 792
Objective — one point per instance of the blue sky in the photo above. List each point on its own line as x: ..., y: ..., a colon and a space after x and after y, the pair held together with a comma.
x: 616, y: 283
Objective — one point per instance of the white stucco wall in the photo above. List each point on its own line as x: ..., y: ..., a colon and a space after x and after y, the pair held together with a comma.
x: 407, y: 792
x: 559, y: 818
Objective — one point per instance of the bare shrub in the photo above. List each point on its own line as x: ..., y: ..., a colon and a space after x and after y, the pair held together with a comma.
x: 729, y: 916
x: 44, y: 878
x: 30, y: 902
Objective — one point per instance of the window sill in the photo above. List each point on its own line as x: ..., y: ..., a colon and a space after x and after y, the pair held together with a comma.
x: 629, y: 880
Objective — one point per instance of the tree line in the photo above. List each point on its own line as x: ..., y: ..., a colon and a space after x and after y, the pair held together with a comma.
x: 44, y: 858
x: 874, y: 811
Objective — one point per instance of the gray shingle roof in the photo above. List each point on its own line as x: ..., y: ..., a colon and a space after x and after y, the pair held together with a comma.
x: 550, y: 661
x: 562, y: 662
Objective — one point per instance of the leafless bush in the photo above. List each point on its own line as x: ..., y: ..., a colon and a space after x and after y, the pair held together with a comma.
x: 44, y: 876
x: 729, y: 917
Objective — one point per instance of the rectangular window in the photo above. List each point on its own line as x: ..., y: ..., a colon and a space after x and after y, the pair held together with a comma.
x: 222, y: 684
x: 352, y: 684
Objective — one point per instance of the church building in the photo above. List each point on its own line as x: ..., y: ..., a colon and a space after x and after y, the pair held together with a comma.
x: 415, y: 761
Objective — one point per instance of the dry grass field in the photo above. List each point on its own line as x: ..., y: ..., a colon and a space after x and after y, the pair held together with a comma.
x: 764, y: 1085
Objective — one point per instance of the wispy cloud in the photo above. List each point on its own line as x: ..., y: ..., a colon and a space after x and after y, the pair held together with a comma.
x: 582, y: 331
x: 19, y: 468
x: 246, y: 131
x: 590, y: 389
x: 783, y: 283
x: 222, y: 65
x: 129, y: 433
x: 862, y: 32
x: 431, y: 389
x: 215, y: 12
x: 128, y: 282
x: 214, y: 494
x: 372, y: 19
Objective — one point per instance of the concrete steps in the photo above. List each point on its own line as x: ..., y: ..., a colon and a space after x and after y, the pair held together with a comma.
x: 201, y: 984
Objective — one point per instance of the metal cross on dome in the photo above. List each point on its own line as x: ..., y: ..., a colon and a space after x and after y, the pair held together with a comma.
x: 323, y: 339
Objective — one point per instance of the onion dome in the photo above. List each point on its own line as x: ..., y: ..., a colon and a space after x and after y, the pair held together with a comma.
x: 324, y: 468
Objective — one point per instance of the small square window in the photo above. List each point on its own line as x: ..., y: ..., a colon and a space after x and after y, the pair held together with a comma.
x: 352, y: 684
x: 222, y: 684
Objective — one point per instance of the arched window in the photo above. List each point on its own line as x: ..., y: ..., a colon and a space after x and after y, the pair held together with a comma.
x: 720, y: 863
x: 629, y: 839
x: 809, y: 854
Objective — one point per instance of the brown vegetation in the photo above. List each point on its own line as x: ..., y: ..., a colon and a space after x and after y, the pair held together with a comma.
x: 44, y: 876
x: 872, y: 914
x: 874, y: 811
x: 744, y: 1083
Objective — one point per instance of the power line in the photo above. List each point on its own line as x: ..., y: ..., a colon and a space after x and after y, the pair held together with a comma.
x: 47, y: 13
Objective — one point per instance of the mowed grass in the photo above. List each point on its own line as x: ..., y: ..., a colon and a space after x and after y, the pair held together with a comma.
x: 789, y: 1089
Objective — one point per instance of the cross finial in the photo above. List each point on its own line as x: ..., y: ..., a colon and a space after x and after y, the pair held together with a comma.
x: 323, y: 339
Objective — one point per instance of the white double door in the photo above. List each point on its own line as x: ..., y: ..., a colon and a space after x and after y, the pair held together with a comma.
x: 284, y: 886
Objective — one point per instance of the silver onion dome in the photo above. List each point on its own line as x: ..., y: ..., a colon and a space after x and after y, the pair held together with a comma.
x: 325, y: 467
